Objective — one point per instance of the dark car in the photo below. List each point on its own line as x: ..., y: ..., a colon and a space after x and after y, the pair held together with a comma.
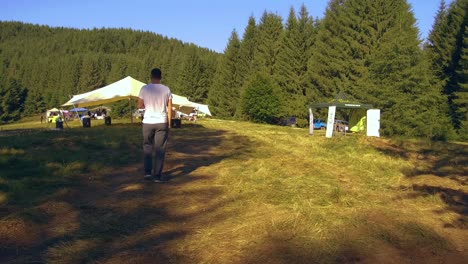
x: 289, y: 121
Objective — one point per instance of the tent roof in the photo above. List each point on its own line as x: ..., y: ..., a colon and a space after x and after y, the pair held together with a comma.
x: 188, y: 108
x: 124, y: 89
x: 342, y: 100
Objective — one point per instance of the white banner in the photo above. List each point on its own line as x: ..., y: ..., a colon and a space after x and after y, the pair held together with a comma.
x: 330, y: 121
x: 373, y: 122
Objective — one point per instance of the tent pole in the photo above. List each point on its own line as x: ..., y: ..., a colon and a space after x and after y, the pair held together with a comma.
x: 75, y: 110
x: 131, y: 110
x: 63, y: 117
x: 81, y: 121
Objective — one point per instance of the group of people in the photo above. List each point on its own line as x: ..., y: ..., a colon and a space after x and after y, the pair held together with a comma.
x: 53, y: 116
x: 99, y: 114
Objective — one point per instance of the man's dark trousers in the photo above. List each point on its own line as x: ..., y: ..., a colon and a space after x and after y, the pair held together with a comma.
x: 154, y: 140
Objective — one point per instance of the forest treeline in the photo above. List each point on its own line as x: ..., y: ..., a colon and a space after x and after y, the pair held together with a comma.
x: 41, y: 66
x: 369, y: 49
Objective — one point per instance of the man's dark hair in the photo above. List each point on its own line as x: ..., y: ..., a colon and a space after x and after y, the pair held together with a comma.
x: 156, y: 74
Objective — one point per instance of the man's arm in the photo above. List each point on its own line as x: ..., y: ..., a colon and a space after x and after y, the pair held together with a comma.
x: 141, y: 103
x: 169, y: 112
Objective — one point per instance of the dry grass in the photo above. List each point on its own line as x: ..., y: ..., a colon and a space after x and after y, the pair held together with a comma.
x: 240, y: 193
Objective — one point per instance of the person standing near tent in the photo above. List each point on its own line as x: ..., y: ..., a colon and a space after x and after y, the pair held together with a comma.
x: 156, y: 99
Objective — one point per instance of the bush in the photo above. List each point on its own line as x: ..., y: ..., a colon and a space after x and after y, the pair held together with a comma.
x: 261, y: 101
x: 302, y: 122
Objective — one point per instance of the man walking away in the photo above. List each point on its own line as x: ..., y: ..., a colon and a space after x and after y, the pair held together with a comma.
x: 156, y: 99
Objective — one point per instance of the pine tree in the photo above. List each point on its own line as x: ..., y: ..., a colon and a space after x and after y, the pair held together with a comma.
x: 12, y: 102
x: 192, y: 80
x: 370, y: 49
x: 461, y: 95
x: 437, y: 45
x: 34, y: 103
x: 339, y: 56
x: 270, y: 30
x: 446, y: 49
x: 292, y: 62
x: 248, y: 50
x: 225, y: 92
x: 90, y: 77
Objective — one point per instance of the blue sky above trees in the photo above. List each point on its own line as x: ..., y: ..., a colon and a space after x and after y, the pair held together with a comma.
x: 207, y: 23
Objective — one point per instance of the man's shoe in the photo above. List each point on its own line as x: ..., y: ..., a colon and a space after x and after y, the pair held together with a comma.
x: 159, y: 179
x: 148, y: 177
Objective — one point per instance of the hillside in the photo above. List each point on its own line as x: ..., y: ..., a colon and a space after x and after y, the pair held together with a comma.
x: 54, y: 63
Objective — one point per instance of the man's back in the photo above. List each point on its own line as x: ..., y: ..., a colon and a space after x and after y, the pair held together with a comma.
x: 155, y: 97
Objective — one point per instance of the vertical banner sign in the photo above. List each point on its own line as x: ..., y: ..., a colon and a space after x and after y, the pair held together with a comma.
x: 330, y: 121
x: 311, y: 121
x: 373, y: 122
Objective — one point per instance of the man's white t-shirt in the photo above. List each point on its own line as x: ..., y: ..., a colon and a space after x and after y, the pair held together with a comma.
x: 155, y: 98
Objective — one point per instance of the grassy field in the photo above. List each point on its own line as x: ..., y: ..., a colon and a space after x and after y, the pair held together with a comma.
x: 239, y: 193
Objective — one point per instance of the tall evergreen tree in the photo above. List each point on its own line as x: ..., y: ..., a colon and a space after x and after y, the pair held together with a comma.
x: 248, y: 49
x: 270, y: 30
x: 461, y: 94
x: 90, y: 76
x: 370, y: 49
x: 192, y: 79
x: 292, y: 62
x: 225, y: 92
x: 34, y: 103
x: 12, y: 102
x: 446, y: 44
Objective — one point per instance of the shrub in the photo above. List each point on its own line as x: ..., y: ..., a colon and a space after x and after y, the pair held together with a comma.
x: 261, y: 100
x: 302, y: 122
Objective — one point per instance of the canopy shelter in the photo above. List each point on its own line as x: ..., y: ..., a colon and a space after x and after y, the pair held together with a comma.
x: 188, y: 108
x: 53, y: 110
x: 343, y: 100
x: 127, y: 88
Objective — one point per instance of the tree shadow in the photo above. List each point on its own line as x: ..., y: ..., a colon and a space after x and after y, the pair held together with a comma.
x: 107, y: 212
x: 442, y: 159
x: 444, y: 168
x: 388, y: 241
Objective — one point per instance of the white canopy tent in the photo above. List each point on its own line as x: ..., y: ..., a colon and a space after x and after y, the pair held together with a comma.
x: 188, y: 108
x: 53, y: 110
x: 127, y: 88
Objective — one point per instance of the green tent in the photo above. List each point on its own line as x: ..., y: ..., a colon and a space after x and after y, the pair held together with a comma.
x: 343, y: 100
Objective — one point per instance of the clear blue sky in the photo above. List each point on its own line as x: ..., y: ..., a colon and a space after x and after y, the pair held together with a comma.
x: 207, y: 23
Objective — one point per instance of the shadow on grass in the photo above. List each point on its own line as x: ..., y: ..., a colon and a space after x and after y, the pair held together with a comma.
x: 91, y: 202
x: 380, y: 240
x: 444, y: 167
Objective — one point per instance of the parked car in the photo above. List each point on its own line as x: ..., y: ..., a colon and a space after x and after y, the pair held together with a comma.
x: 341, y: 126
x: 289, y: 121
x: 320, y: 124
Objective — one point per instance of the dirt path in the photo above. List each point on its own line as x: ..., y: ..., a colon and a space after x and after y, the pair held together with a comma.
x: 117, y: 217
